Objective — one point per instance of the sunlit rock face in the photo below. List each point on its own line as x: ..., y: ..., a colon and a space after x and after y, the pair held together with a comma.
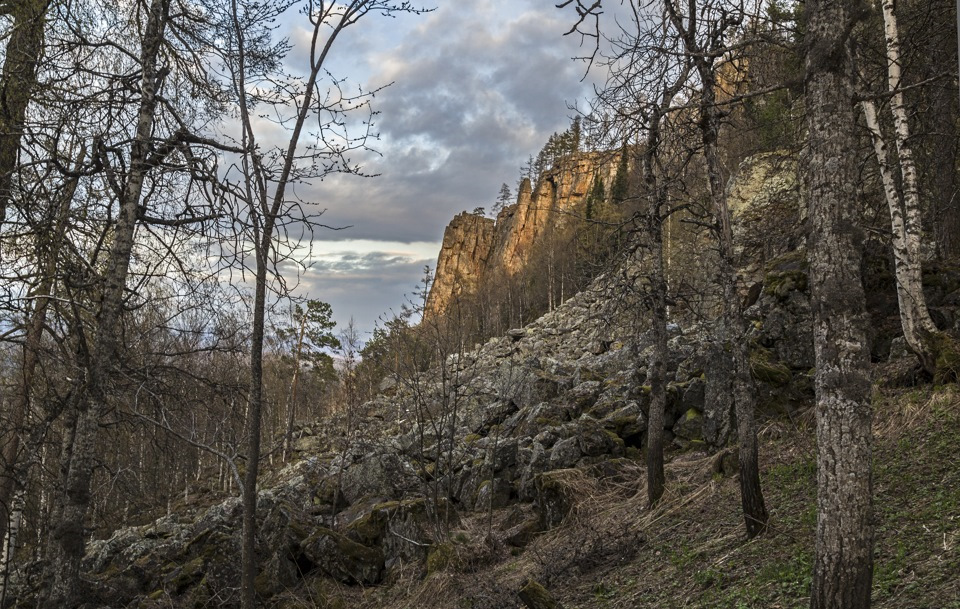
x: 768, y: 214
x: 467, y: 245
x: 473, y: 245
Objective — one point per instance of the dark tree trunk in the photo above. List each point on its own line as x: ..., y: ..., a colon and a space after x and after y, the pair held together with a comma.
x: 19, y: 79
x: 843, y: 566
x: 68, y: 536
x: 655, y: 374
x: 732, y: 326
x: 248, y: 564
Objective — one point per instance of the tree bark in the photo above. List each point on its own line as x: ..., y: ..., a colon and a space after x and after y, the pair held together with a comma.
x: 914, y: 316
x: 905, y: 212
x: 656, y: 377
x: 19, y: 79
x: 733, y: 328
x: 68, y: 535
x: 843, y: 566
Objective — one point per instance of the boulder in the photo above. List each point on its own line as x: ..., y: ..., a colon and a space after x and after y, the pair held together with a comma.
x: 342, y: 558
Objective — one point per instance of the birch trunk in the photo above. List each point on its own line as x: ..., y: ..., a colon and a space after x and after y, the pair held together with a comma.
x: 843, y: 566
x: 292, y: 397
x: 905, y: 211
x: 10, y: 544
x: 914, y: 316
x: 67, y: 531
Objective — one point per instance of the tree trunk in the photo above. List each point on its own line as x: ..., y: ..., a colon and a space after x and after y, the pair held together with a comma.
x: 248, y: 564
x: 843, y: 566
x: 733, y: 329
x: 50, y: 240
x: 19, y: 78
x: 655, y: 373
x: 292, y: 397
x: 67, y: 530
x: 914, y: 317
x: 905, y: 213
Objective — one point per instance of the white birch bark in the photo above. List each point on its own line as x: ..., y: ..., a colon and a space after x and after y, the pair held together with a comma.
x: 914, y: 316
x: 905, y: 212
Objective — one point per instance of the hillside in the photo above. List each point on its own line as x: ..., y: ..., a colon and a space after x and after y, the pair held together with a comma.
x: 522, y: 459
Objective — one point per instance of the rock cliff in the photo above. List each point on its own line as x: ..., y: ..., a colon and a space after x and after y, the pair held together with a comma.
x: 468, y: 242
x: 474, y: 246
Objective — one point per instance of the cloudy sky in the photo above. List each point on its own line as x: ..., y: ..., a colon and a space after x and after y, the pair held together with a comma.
x: 478, y: 86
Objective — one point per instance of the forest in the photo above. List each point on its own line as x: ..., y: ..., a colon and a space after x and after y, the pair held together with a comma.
x: 163, y: 382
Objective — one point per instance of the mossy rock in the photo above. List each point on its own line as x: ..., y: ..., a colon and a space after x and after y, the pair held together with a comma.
x: 791, y: 261
x: 439, y: 557
x: 187, y: 575
x: 781, y: 284
x: 947, y: 358
x: 767, y: 369
x: 344, y: 559
x: 535, y: 596
x: 690, y: 426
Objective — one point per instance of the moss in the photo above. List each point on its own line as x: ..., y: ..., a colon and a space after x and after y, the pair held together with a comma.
x: 547, y: 422
x: 947, y: 358
x: 189, y: 574
x: 781, y: 284
x: 471, y: 438
x: 369, y: 528
x: 767, y: 369
x: 617, y: 440
x: 439, y: 557
x: 156, y: 595
x: 791, y: 261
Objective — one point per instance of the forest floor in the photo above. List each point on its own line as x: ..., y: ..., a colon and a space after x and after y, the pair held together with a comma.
x: 611, y: 552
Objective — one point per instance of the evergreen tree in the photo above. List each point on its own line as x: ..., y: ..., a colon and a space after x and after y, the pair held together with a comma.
x: 619, y: 188
x: 503, y: 199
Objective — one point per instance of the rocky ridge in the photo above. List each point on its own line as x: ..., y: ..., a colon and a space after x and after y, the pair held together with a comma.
x: 475, y: 247
x: 377, y: 496
x: 502, y: 432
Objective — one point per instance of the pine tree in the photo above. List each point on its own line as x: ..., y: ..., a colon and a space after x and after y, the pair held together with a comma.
x: 618, y: 190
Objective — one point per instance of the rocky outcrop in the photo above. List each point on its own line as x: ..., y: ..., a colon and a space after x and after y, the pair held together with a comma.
x: 516, y: 424
x: 475, y: 247
x: 467, y: 244
x: 767, y: 209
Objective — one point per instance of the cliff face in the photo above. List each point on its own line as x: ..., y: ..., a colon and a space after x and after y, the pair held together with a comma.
x: 467, y: 244
x: 474, y: 246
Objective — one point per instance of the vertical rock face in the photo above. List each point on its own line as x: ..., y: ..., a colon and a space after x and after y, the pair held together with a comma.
x: 474, y: 245
x: 467, y: 245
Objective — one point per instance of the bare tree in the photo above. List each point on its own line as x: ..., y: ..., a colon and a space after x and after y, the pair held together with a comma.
x: 265, y: 175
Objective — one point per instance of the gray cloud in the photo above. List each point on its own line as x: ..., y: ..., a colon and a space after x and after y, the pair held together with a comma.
x: 363, y: 286
x: 477, y: 89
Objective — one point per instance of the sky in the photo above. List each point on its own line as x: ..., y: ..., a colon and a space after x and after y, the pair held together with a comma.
x: 478, y: 87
